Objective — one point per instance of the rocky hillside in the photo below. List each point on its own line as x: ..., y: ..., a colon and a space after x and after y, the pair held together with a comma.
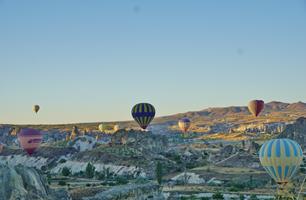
x: 296, y: 131
x: 215, y: 120
x: 130, y: 192
x: 129, y: 153
x: 26, y: 183
x: 211, y: 120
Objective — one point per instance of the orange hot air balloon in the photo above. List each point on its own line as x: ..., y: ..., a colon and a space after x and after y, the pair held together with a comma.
x: 256, y: 106
x: 29, y: 139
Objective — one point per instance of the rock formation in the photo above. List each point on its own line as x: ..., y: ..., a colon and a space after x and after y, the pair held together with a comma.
x: 26, y: 183
x: 130, y: 192
x: 296, y: 131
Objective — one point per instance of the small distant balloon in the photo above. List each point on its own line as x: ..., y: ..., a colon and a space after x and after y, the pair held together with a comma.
x: 136, y: 9
x: 116, y: 127
x: 143, y: 114
x: 36, y: 108
x: 240, y: 51
x: 101, y: 127
x: 184, y: 124
x: 256, y: 107
x: 29, y: 139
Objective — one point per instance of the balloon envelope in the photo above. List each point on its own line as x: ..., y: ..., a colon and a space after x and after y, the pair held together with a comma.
x: 116, y: 128
x: 256, y: 106
x: 101, y: 127
x: 36, y: 108
x: 281, y: 158
x: 143, y: 114
x: 29, y: 139
x: 184, y: 124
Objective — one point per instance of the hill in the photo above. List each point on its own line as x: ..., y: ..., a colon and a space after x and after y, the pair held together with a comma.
x: 210, y: 120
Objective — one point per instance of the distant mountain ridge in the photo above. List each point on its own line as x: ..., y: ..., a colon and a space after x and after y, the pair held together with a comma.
x: 224, y: 119
x: 214, y: 112
x: 206, y: 119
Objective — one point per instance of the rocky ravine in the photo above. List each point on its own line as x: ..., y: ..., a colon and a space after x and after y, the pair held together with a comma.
x: 130, y: 192
x: 26, y: 183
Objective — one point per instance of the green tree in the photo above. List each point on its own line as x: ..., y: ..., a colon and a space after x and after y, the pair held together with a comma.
x: 159, y: 173
x: 90, y: 170
x: 66, y: 171
x: 241, y: 197
x: 253, y: 197
x: 218, y: 196
x: 62, y: 183
x: 251, y: 181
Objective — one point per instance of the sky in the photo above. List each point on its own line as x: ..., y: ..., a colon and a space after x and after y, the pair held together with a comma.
x: 91, y: 61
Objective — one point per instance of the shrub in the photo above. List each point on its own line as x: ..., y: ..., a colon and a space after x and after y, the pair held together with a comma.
x: 62, y: 183
x: 90, y: 170
x: 66, y: 171
x: 218, y: 196
x: 43, y: 168
x: 62, y: 161
x: 159, y: 173
x: 253, y: 197
x: 100, y: 175
x: 121, y: 180
x: 177, y: 159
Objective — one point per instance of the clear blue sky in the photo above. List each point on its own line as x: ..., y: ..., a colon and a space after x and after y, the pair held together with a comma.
x: 85, y: 61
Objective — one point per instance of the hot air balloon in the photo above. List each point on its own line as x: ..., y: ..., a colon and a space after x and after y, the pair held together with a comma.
x: 281, y: 158
x: 256, y: 106
x: 143, y: 114
x: 29, y: 139
x: 36, y: 108
x: 116, y: 128
x: 184, y: 124
x: 101, y: 127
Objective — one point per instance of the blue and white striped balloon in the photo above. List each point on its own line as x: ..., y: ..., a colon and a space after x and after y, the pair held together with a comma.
x: 281, y: 158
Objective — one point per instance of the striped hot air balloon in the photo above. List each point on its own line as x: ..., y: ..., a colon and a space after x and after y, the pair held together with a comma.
x: 281, y: 158
x: 184, y: 124
x: 256, y: 106
x: 143, y: 114
x: 29, y: 139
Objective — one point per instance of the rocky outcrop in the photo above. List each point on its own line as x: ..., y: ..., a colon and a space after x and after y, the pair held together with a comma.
x: 83, y: 143
x: 296, y: 131
x: 252, y: 147
x: 130, y: 192
x: 188, y: 178
x: 25, y: 183
x: 76, y: 167
x: 240, y: 159
x: 140, y: 139
x: 228, y: 150
x: 44, y: 156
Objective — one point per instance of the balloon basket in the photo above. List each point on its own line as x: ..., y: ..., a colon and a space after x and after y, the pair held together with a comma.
x: 284, y: 192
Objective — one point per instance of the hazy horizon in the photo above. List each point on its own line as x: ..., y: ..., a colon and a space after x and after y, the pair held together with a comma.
x: 92, y: 61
